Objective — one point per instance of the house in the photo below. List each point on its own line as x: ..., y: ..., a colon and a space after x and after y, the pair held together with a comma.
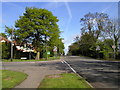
x: 23, y: 48
x: 2, y: 39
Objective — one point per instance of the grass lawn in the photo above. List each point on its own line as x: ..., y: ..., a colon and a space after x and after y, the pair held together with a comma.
x: 65, y: 80
x: 12, y: 78
x: 19, y: 60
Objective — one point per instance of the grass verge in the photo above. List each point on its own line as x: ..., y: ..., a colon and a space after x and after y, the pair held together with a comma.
x: 12, y: 78
x: 64, y: 80
x: 33, y: 60
x: 107, y: 59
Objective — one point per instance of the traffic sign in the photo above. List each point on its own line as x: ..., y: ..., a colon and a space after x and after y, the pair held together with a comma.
x: 113, y: 46
x: 98, y: 48
x: 55, y: 49
x: 48, y: 52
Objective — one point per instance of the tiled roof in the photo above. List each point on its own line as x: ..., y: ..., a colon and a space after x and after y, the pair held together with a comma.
x: 2, y: 38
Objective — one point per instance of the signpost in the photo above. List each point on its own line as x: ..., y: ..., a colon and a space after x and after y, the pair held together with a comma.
x: 97, y: 49
x: 55, y: 51
x: 114, y: 50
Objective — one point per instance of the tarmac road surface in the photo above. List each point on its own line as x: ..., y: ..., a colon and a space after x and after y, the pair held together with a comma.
x: 99, y: 73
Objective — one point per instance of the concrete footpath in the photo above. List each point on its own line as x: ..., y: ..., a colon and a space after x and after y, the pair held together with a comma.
x: 36, y: 71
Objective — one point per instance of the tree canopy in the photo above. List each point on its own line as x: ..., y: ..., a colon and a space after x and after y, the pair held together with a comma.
x: 3, y: 35
x: 38, y: 27
x: 97, y: 30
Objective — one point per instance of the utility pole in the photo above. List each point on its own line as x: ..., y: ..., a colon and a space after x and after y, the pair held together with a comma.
x: 12, y: 44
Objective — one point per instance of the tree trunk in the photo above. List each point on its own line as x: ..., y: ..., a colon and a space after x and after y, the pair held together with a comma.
x: 37, y: 56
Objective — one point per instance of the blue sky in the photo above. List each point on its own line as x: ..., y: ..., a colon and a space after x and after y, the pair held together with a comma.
x: 68, y: 13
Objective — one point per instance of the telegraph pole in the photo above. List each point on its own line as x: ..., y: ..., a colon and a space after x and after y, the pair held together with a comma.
x: 12, y: 44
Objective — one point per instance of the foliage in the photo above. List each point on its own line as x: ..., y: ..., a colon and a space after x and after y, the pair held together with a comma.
x: 3, y: 35
x: 86, y: 42
x: 97, y: 31
x: 39, y: 28
x: 6, y: 50
x: 112, y: 31
x: 74, y: 49
x: 93, y: 23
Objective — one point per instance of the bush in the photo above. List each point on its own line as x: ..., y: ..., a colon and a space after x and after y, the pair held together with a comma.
x: 118, y: 55
x: 6, y: 50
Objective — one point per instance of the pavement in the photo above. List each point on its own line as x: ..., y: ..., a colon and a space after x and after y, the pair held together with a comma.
x: 36, y: 71
x: 99, y: 73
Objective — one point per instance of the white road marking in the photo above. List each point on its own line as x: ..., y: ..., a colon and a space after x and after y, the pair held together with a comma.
x: 63, y: 61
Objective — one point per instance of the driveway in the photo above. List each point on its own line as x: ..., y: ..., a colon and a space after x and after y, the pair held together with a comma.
x: 99, y: 73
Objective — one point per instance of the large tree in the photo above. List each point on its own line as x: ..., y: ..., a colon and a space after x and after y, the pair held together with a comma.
x: 94, y: 23
x: 112, y: 31
x: 36, y: 26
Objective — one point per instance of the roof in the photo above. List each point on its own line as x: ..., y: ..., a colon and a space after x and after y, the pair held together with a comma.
x: 2, y: 38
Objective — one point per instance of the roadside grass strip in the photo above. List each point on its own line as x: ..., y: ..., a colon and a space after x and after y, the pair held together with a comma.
x: 32, y: 60
x: 12, y: 78
x: 64, y: 80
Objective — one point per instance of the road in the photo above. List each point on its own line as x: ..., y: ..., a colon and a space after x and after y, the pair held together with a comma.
x: 100, y: 74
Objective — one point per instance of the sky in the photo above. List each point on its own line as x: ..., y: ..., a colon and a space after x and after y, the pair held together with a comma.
x: 68, y: 13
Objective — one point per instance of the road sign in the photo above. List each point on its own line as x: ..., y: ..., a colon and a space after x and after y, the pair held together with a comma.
x: 48, y: 53
x: 113, y: 46
x: 97, y: 48
x: 55, y: 49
